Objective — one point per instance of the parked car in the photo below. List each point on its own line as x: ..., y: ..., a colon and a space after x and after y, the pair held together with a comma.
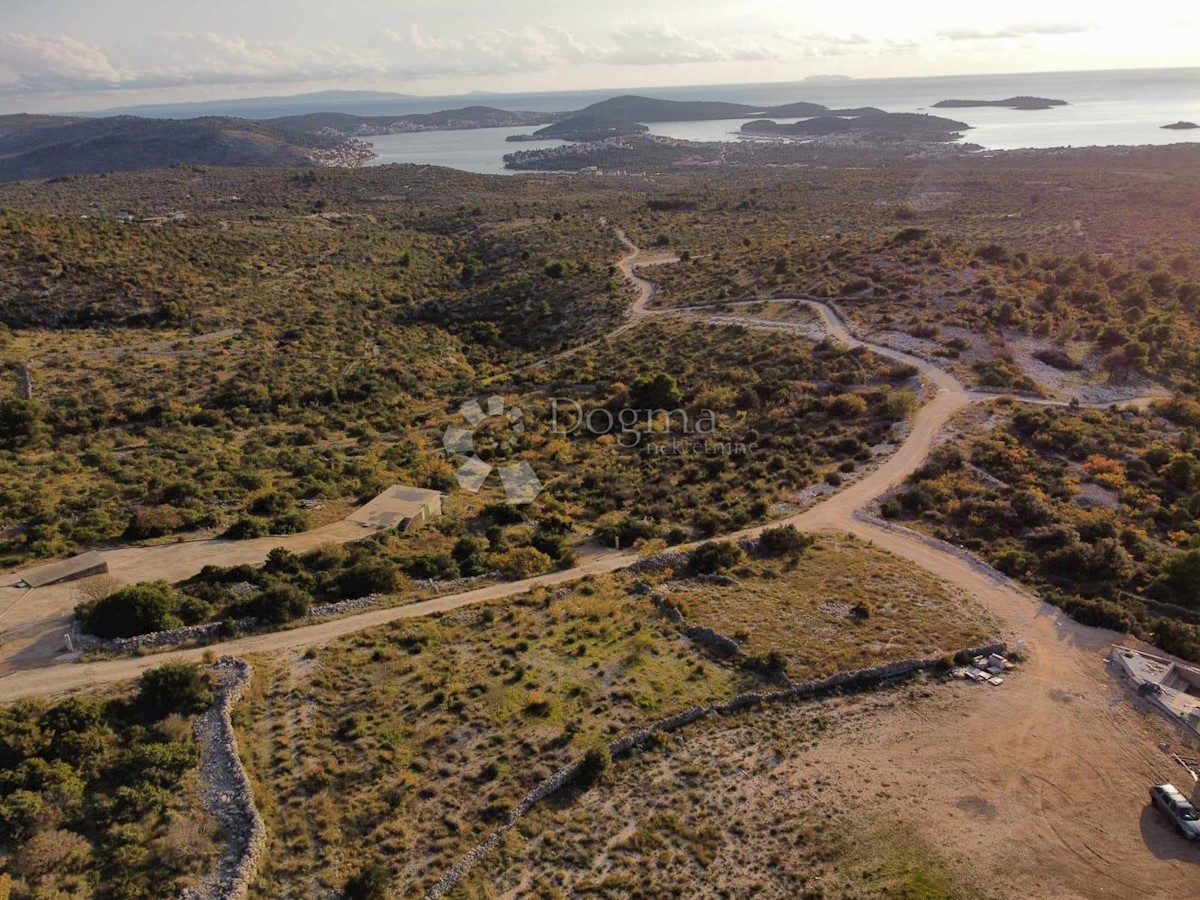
x: 1184, y: 816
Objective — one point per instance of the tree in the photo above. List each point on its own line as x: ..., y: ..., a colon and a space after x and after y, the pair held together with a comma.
x: 658, y: 392
x: 1181, y: 575
x: 20, y: 423
x: 173, y: 688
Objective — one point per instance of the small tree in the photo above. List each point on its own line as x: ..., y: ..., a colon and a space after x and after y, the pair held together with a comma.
x: 173, y: 688
x: 371, y: 882
x: 595, y: 763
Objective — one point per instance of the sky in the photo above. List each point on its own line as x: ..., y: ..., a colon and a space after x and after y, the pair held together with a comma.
x: 59, y: 55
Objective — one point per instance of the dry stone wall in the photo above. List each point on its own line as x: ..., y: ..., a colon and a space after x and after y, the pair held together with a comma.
x: 225, y: 788
x: 854, y: 679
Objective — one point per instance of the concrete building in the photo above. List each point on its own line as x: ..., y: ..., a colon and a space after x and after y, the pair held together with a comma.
x: 85, y: 565
x: 1173, y: 687
x: 399, y: 507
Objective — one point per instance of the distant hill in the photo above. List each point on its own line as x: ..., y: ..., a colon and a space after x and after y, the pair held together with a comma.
x: 1181, y: 126
x: 646, y: 109
x: 797, y: 110
x: 127, y: 142
x: 1010, y: 103
x: 912, y: 125
x: 585, y: 127
x: 25, y: 121
x: 446, y: 119
x: 364, y: 103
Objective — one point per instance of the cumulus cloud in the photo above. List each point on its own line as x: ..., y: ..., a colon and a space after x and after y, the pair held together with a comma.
x: 36, y: 64
x: 1012, y: 31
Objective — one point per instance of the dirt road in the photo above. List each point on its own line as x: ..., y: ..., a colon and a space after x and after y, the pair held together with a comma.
x: 1058, y: 758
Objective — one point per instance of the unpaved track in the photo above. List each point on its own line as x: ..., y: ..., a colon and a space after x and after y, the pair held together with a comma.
x: 1058, y: 751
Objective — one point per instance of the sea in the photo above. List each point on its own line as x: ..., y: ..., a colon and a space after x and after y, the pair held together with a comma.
x: 1107, y: 108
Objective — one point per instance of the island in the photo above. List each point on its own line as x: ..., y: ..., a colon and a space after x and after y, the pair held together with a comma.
x: 583, y: 127
x: 1181, y: 126
x: 878, y: 124
x: 1024, y: 103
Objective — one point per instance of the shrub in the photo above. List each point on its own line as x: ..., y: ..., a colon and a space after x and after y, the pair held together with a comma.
x: 371, y: 882
x: 245, y: 528
x: 173, y: 688
x: 281, y: 602
x: 522, y: 562
x: 138, y: 609
x: 595, y: 763
x: 784, y: 540
x: 369, y: 576
x: 708, y: 559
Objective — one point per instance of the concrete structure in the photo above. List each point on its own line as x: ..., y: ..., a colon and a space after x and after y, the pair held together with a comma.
x: 403, y: 508
x: 85, y: 565
x: 1173, y: 687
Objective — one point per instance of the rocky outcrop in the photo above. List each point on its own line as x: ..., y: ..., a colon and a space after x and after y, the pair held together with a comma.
x: 226, y: 791
x: 851, y: 680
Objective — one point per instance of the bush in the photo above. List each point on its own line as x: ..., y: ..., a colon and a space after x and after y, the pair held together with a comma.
x: 708, y: 559
x: 595, y: 763
x: 173, y: 688
x: 784, y: 540
x: 245, y: 528
x: 369, y: 576
x: 371, y: 882
x: 280, y: 602
x: 521, y: 562
x: 138, y: 609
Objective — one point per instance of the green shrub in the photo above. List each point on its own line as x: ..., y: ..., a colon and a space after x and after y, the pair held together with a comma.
x: 173, y: 688
x: 138, y: 609
x: 371, y: 882
x: 717, y: 556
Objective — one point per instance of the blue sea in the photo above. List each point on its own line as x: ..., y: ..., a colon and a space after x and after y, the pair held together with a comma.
x: 1127, y: 107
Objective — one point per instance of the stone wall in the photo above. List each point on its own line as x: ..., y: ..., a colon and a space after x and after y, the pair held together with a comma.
x: 854, y: 679
x: 208, y: 631
x: 225, y: 788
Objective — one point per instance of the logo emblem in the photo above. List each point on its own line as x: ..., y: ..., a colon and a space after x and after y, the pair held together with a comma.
x: 520, y: 483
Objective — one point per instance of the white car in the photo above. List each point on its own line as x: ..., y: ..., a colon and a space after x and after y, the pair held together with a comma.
x: 1184, y: 816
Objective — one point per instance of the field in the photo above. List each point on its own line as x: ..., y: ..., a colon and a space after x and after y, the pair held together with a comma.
x: 403, y: 746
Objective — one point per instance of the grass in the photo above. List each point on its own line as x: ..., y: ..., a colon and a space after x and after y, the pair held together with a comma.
x: 407, y: 744
x: 844, y: 604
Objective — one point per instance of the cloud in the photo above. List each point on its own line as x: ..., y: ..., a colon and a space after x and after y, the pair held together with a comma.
x: 658, y: 43
x: 43, y: 64
x: 1012, y: 31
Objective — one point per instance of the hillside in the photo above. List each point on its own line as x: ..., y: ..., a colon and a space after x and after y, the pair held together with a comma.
x: 443, y: 120
x: 632, y: 108
x: 880, y: 123
x: 25, y: 121
x: 91, y: 146
x: 585, y: 127
x: 801, y: 109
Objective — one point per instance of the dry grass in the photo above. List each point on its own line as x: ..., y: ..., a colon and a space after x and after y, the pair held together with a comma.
x: 845, y: 604
x: 407, y: 744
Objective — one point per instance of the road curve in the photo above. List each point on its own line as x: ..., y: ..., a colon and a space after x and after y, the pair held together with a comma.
x: 834, y: 513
